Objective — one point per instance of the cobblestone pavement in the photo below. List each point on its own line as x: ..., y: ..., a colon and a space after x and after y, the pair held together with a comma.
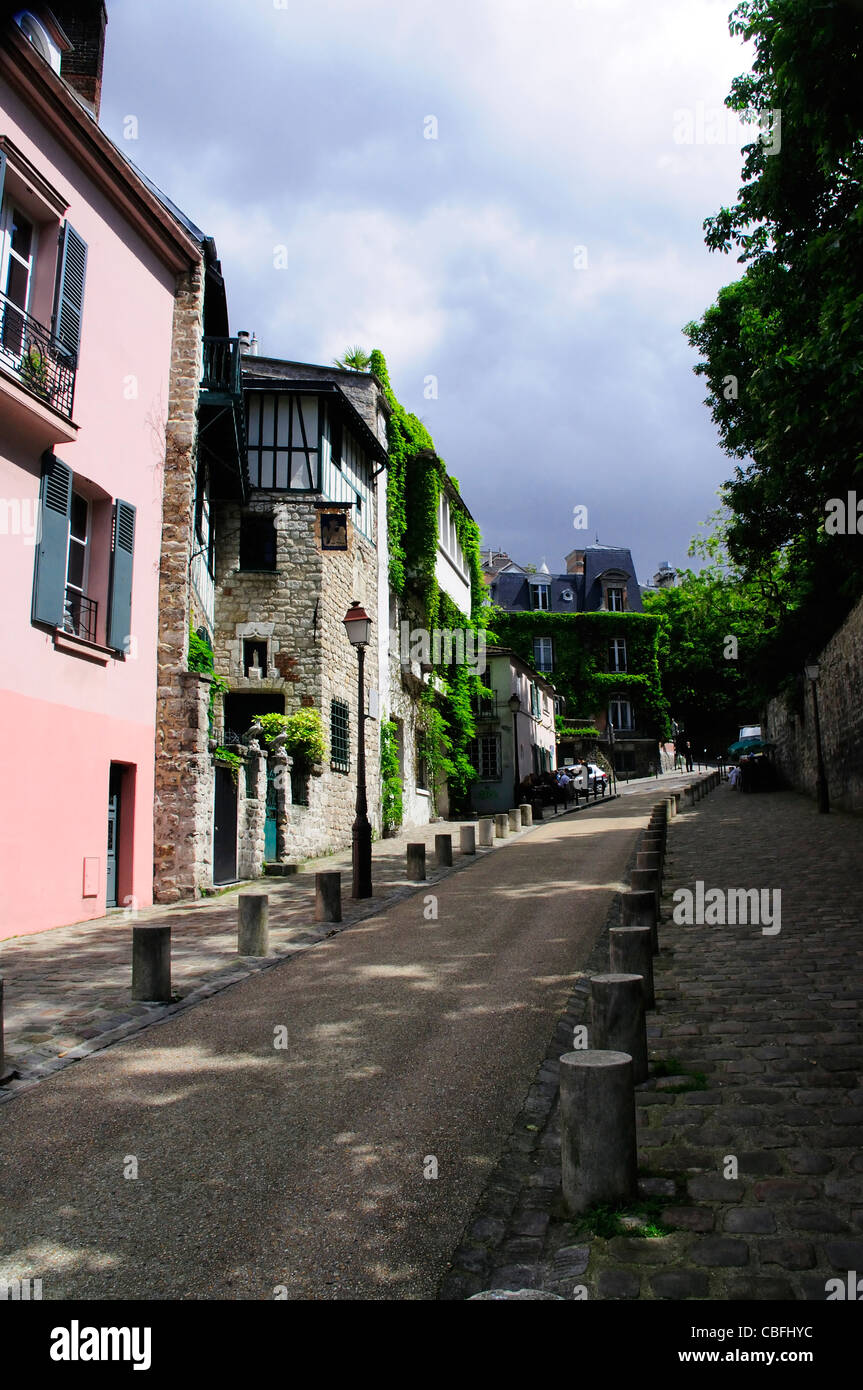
x: 756, y: 1056
x: 68, y: 990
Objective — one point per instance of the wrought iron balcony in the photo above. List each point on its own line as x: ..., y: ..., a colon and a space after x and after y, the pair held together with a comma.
x: 79, y: 616
x: 222, y: 370
x: 43, y: 365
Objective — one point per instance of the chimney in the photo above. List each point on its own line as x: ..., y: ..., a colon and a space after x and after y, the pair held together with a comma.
x: 575, y: 562
x: 84, y: 23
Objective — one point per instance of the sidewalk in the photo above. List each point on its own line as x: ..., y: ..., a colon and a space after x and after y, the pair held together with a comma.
x: 759, y: 1037
x: 68, y: 989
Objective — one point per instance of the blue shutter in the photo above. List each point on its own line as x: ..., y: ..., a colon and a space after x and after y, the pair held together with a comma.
x: 69, y: 296
x: 55, y: 503
x: 120, y: 594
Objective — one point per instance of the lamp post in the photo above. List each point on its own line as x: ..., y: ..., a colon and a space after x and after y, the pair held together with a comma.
x: 358, y: 625
x: 813, y: 671
x: 611, y: 759
x: 515, y: 706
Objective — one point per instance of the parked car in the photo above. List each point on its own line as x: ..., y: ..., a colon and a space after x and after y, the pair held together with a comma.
x: 596, y: 777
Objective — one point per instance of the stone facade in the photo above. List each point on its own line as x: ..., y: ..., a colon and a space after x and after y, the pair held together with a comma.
x: 790, y: 721
x: 298, y: 610
x: 183, y: 787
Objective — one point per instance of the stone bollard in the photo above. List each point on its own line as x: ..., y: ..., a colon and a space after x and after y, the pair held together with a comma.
x: 617, y: 1022
x: 467, y: 839
x: 641, y: 880
x: 526, y: 813
x: 538, y: 811
x: 639, y: 910
x: 598, y: 1155
x: 253, y: 924
x: 688, y: 798
x: 328, y: 897
x: 416, y: 861
x: 674, y: 803
x: 672, y: 808
x: 443, y: 851
x: 6, y: 1071
x: 514, y: 819
x: 151, y: 964
x: 501, y: 825
x: 630, y: 952
x: 649, y: 859
x: 486, y: 832
x: 655, y: 840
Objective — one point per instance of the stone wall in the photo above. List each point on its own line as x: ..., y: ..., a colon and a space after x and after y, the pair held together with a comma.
x: 299, y: 610
x: 790, y: 721
x: 181, y: 805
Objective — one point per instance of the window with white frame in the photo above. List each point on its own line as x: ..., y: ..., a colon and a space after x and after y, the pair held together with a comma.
x: 615, y: 599
x: 617, y: 654
x: 620, y: 713
x: 448, y: 540
x: 540, y: 597
x: 543, y: 654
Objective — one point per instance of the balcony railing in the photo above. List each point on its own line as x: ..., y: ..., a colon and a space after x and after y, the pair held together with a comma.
x: 79, y: 616
x: 42, y: 363
x: 222, y: 369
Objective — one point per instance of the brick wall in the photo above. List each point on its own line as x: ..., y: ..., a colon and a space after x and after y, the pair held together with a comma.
x: 790, y: 722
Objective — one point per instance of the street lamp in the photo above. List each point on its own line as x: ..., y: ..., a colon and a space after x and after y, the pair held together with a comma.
x: 515, y: 706
x: 358, y: 626
x: 813, y: 671
x: 611, y: 759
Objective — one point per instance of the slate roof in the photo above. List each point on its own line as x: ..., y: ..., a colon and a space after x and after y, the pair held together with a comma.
x: 512, y: 591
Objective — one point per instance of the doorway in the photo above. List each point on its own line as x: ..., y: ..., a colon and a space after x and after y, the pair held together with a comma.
x: 225, y: 827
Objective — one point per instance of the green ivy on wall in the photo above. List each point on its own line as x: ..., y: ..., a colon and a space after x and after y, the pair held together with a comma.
x: 580, y: 655
x: 415, y: 481
x: 391, y: 782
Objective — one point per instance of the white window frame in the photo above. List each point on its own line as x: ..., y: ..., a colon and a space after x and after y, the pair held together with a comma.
x: 616, y: 705
x: 618, y: 663
x: 540, y: 645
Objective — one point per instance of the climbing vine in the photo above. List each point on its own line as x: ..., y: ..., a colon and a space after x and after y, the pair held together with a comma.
x: 391, y: 782
x: 416, y: 479
x: 580, y: 655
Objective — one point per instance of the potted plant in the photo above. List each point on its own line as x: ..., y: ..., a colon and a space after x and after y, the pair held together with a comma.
x: 34, y: 371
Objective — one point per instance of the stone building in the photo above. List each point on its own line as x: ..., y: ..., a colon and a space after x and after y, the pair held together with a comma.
x: 590, y: 617
x: 288, y: 561
x: 515, y: 730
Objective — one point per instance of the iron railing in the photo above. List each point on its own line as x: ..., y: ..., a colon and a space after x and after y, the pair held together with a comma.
x: 79, y: 616
x: 222, y: 367
x: 42, y: 364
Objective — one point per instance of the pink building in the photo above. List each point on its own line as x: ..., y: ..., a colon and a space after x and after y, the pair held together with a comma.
x: 89, y: 263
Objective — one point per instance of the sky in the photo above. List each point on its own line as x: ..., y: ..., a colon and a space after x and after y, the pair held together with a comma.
x: 505, y: 196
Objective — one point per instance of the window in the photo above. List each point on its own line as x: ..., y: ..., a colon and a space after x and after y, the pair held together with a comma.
x: 283, y: 434
x: 19, y: 247
x: 80, y: 612
x: 620, y: 714
x: 334, y: 531
x: 257, y: 542
x: 255, y: 655
x: 540, y: 596
x: 535, y: 706
x: 542, y: 654
x: 617, y: 655
x: 79, y: 524
x: 485, y: 752
x: 448, y: 540
x: 340, y: 744
x: 614, y: 600
x: 484, y: 706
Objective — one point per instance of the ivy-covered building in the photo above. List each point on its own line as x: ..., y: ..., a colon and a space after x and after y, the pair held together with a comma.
x: 586, y: 629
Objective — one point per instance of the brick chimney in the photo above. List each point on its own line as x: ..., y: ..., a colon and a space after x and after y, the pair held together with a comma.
x: 575, y: 562
x: 84, y: 22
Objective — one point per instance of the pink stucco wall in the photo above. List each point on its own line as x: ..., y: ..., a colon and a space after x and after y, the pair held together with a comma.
x: 65, y: 719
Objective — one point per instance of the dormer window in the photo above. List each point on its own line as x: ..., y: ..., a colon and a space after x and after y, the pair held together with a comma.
x: 615, y: 599
x: 540, y: 597
x: 37, y: 35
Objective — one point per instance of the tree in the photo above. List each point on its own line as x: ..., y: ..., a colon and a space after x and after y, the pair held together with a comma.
x: 353, y: 359
x: 716, y: 631
x: 783, y: 346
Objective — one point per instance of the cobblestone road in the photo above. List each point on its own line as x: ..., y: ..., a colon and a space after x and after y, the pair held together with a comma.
x: 760, y: 1041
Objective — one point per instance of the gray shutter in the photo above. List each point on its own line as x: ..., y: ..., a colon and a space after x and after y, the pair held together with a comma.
x: 120, y: 594
x: 69, y: 297
x: 55, y: 504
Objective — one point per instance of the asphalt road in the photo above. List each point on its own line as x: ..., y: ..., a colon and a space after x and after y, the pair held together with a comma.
x: 302, y: 1167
